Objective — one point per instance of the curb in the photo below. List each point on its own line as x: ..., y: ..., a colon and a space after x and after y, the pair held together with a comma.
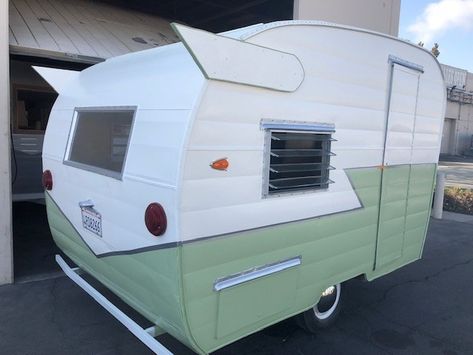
x: 457, y: 217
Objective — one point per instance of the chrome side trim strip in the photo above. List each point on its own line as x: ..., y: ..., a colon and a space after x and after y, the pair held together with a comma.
x: 396, y: 60
x: 256, y: 273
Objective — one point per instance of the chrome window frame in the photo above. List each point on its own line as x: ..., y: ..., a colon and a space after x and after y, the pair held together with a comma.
x: 269, y: 126
x: 72, y: 133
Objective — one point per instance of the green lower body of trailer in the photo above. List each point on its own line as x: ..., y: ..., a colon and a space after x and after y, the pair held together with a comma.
x: 175, y: 287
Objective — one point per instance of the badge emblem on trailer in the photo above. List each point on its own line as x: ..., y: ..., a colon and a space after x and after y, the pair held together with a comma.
x: 91, y: 219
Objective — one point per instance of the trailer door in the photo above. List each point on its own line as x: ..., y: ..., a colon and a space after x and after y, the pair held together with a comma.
x: 397, y: 156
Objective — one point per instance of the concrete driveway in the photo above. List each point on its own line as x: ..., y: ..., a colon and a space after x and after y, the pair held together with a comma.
x: 424, y: 308
x: 458, y: 170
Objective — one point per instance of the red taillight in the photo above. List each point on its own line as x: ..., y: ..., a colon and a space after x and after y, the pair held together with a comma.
x: 47, y: 180
x: 155, y: 219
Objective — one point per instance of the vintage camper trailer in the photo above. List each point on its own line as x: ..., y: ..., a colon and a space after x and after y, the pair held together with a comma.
x: 222, y: 184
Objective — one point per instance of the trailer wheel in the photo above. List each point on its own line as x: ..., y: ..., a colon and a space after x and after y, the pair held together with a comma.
x: 325, y: 312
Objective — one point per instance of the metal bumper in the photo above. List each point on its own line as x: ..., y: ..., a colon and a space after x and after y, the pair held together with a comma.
x: 146, y: 336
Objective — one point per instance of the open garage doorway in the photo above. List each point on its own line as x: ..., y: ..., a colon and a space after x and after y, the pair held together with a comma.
x: 31, y: 101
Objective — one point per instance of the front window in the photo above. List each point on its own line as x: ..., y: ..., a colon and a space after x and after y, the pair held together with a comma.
x: 100, y: 140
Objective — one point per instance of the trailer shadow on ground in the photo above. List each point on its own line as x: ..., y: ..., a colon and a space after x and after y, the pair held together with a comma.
x: 33, y: 245
x: 424, y: 308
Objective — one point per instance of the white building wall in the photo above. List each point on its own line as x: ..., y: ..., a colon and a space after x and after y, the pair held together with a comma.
x: 453, y: 110
x: 454, y: 76
x: 377, y: 15
x: 6, y: 258
x: 464, y: 129
x: 468, y: 114
x: 469, y: 82
x: 458, y: 127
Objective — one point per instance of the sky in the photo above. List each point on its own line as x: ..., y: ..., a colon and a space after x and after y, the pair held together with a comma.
x: 447, y: 22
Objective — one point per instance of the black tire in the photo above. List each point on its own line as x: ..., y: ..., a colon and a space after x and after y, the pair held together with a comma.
x: 324, y: 313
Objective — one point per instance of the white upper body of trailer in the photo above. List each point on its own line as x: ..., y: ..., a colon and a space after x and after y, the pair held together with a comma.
x: 206, y: 98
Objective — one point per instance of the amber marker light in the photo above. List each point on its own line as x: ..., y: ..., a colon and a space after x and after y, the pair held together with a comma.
x: 220, y: 164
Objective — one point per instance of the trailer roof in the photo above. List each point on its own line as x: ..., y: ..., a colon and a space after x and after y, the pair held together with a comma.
x: 246, y: 33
